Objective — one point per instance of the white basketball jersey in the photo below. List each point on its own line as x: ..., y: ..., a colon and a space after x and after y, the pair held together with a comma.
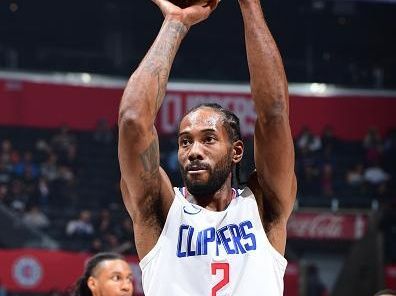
x: 207, y: 253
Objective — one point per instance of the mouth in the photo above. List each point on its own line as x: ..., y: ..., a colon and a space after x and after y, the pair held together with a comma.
x: 196, y: 168
x: 196, y: 172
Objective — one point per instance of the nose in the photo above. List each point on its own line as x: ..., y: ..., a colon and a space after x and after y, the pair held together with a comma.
x: 195, y: 152
x: 126, y: 285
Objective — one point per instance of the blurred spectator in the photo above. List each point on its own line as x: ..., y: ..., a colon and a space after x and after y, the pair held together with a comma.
x: 65, y: 173
x: 4, y: 196
x: 104, y: 223
x: 390, y: 151
x: 126, y: 237
x: 18, y: 197
x: 63, y: 140
x: 64, y: 145
x: 372, y: 144
x: 310, y: 181
x: 96, y: 246
x: 5, y: 174
x: 65, y: 187
x: 111, y: 242
x: 81, y: 227
x: 171, y: 160
x: 42, y: 194
x: 26, y: 164
x: 36, y: 218
x: 70, y: 159
x: 125, y: 232
x: 355, y: 180
x: 43, y: 150
x: 6, y: 153
x: 49, y: 168
x: 355, y: 175
x: 329, y: 141
x: 307, y: 140
x: 103, y: 133
x: 375, y: 174
x: 315, y: 286
x: 30, y: 182
x: 327, y: 186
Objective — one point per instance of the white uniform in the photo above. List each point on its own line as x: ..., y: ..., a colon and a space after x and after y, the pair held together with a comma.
x: 206, y: 253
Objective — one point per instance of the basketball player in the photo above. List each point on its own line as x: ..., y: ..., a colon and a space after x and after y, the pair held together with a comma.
x: 105, y: 274
x: 208, y: 239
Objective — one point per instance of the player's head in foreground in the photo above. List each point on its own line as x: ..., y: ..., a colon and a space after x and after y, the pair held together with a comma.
x: 105, y: 274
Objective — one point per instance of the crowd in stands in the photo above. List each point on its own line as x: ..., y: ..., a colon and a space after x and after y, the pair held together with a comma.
x: 329, y: 168
x: 67, y: 183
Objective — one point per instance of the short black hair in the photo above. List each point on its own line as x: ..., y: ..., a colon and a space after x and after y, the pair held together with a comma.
x: 231, y: 124
x: 230, y: 120
x: 81, y: 286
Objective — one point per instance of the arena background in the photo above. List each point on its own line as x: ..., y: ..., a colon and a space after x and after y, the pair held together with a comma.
x: 63, y: 65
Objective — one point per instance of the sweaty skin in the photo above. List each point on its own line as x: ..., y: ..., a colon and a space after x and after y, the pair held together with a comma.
x: 203, y: 140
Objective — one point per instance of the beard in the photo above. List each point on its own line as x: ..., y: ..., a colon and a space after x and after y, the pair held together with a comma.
x: 216, y: 179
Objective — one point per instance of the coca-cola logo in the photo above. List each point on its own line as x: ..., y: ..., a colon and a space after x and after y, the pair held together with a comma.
x: 316, y: 226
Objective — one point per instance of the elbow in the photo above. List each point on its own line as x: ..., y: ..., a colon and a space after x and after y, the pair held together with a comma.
x: 131, y: 121
x: 276, y: 111
x: 278, y: 108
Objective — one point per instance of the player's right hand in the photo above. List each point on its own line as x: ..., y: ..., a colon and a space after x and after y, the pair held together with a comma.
x: 189, y: 16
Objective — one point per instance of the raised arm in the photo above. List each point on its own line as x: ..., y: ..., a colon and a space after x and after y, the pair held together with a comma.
x: 146, y: 189
x: 274, y: 181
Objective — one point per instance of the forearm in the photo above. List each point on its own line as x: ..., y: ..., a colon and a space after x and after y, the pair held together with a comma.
x: 146, y: 88
x: 267, y: 76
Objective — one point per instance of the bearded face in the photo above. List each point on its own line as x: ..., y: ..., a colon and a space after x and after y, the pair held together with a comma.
x: 215, y: 176
x: 206, y: 154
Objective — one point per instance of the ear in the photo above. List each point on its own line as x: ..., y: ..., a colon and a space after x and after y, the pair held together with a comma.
x: 237, y: 151
x: 92, y: 284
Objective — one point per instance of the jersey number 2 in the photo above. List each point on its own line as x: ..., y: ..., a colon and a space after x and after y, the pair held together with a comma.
x: 225, y: 267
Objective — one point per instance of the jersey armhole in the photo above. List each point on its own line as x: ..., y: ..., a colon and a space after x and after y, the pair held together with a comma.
x: 280, y: 259
x: 150, y: 255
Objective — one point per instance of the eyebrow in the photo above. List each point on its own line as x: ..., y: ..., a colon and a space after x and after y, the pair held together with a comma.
x: 120, y: 273
x: 201, y: 131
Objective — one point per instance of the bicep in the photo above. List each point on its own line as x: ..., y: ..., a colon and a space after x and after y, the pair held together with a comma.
x: 274, y: 161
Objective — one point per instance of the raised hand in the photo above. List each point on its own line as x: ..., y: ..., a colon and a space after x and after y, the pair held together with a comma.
x: 189, y: 16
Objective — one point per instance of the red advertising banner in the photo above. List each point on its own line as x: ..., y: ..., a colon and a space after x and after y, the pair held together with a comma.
x: 42, y: 271
x: 327, y: 226
x: 390, y: 276
x: 39, y: 271
x: 292, y: 278
x: 26, y: 103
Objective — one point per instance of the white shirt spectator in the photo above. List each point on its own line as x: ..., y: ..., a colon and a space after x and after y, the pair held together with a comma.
x: 375, y: 175
x: 82, y: 226
x: 36, y: 218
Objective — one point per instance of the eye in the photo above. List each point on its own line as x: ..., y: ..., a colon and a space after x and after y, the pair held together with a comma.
x: 210, y: 139
x: 116, y: 277
x: 184, y: 142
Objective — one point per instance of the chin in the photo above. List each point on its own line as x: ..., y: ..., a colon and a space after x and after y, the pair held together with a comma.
x: 198, y: 189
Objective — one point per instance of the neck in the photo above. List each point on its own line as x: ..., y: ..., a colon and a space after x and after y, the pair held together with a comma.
x: 218, y: 201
